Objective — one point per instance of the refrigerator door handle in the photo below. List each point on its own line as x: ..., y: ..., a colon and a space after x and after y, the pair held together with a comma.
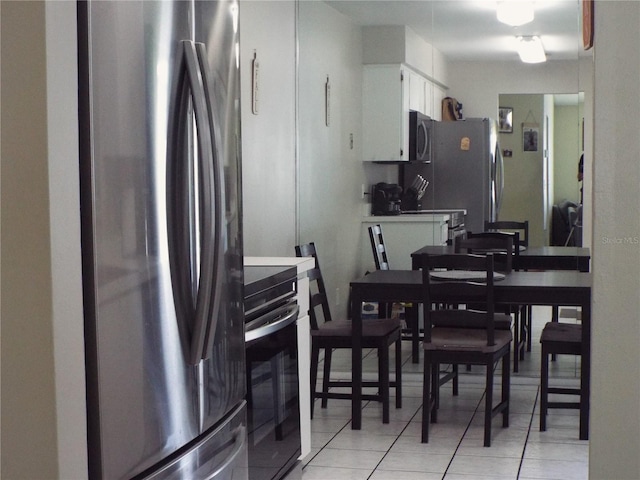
x: 215, y: 169
x: 500, y: 167
x: 189, y: 210
x: 205, y: 304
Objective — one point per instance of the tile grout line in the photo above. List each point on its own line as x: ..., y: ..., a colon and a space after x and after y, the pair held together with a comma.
x: 394, y: 442
x: 526, y: 440
x: 463, y: 434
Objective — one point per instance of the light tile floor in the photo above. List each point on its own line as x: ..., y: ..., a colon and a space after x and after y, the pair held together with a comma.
x: 454, y: 452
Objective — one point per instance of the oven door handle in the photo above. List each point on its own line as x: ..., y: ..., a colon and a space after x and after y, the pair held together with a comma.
x: 290, y: 316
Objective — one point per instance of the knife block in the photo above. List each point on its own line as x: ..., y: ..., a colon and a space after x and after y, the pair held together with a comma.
x: 410, y: 200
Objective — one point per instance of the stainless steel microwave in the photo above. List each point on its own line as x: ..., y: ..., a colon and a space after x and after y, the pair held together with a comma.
x: 420, y: 137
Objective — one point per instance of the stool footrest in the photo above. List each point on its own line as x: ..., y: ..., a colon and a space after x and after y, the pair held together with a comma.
x: 572, y: 405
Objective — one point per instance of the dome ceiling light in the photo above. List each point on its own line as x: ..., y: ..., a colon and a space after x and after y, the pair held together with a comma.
x: 515, y: 12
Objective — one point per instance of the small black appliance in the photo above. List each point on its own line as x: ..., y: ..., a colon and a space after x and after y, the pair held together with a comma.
x: 386, y: 199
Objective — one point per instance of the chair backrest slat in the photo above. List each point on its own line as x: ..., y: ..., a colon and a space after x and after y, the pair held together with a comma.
x: 521, y: 227
x: 378, y: 247
x: 501, y: 244
x: 317, y: 290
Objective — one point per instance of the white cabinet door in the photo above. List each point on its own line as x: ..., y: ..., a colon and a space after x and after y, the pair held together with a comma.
x: 428, y: 98
x: 438, y: 94
x: 385, y: 108
x: 417, y: 92
x: 388, y: 93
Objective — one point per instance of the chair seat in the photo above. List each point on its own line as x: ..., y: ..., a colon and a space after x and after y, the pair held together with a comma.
x: 468, y: 339
x: 561, y: 332
x: 501, y: 321
x: 370, y: 328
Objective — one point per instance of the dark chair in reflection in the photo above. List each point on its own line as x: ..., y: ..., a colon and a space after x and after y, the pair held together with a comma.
x: 502, y: 245
x: 558, y: 338
x: 328, y: 334
x: 379, y: 250
x: 378, y: 247
x: 462, y: 336
x: 511, y: 226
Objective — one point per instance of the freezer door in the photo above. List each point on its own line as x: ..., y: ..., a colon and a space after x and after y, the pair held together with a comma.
x: 224, y: 375
x: 219, y: 455
x: 144, y: 392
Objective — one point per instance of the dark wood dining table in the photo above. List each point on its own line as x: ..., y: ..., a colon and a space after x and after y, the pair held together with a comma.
x: 531, y: 258
x: 568, y: 288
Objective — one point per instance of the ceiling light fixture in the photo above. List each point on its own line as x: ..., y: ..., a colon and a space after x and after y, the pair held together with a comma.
x: 515, y: 12
x: 531, y: 50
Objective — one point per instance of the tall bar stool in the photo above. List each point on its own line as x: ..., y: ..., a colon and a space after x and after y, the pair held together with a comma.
x: 558, y: 338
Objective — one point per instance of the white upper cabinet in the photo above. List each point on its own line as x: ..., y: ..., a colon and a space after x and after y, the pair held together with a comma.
x: 388, y: 93
x: 385, y: 113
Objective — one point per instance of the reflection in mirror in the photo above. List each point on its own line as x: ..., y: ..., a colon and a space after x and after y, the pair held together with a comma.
x: 457, y: 49
x: 541, y: 176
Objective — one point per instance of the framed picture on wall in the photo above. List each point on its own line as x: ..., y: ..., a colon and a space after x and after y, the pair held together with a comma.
x: 530, y: 137
x: 505, y: 119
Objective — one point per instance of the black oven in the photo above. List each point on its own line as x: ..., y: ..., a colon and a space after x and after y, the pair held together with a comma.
x: 271, y: 313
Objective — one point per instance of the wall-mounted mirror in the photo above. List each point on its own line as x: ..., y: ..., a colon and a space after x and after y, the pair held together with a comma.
x: 366, y: 51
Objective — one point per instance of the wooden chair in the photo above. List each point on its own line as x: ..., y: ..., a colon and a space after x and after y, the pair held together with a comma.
x: 511, y: 226
x: 332, y: 334
x: 502, y: 244
x: 558, y: 338
x: 463, y: 336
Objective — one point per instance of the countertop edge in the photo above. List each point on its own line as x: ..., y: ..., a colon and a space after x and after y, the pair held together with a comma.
x: 408, y: 218
x: 301, y: 263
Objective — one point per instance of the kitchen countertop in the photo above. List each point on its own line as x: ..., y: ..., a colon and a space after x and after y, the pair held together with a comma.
x: 408, y: 217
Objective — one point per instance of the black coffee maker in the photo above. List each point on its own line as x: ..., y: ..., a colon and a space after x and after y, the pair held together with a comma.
x: 386, y: 199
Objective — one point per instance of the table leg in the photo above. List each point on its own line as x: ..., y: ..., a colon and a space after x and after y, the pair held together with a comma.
x: 411, y: 315
x: 356, y: 363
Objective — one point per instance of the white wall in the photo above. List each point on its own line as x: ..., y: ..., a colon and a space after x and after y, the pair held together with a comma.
x: 268, y: 138
x: 478, y: 84
x: 615, y: 395
x: 331, y: 172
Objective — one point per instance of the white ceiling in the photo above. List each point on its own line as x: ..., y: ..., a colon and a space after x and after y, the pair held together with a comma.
x: 469, y: 30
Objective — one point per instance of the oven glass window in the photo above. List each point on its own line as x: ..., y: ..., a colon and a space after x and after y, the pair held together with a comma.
x: 273, y: 404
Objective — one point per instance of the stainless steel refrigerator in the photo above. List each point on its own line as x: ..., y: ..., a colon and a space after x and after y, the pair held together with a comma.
x: 161, y: 238
x: 466, y: 171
